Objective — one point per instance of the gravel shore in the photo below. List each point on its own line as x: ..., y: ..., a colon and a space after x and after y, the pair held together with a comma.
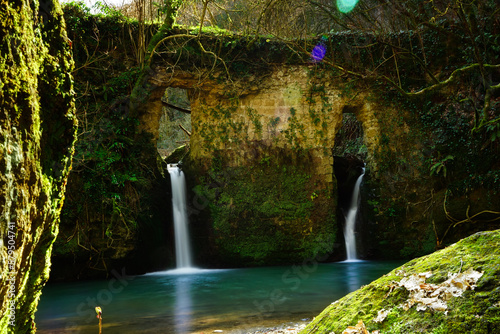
x: 292, y: 329
x: 288, y: 328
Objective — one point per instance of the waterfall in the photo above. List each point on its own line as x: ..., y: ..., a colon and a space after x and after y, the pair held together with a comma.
x: 350, y: 222
x: 182, y: 247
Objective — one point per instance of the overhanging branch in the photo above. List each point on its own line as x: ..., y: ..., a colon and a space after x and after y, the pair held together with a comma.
x: 451, y: 78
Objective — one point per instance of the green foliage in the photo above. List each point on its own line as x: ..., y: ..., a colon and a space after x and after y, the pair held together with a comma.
x: 255, y: 118
x: 489, y: 180
x: 226, y: 131
x: 168, y: 10
x: 37, y: 133
x: 78, y: 10
x: 110, y: 183
x: 440, y: 166
x: 216, y: 31
x: 450, y: 123
x: 493, y: 130
x: 109, y: 11
x: 108, y: 169
x: 425, y: 244
x: 121, y: 85
x: 295, y: 132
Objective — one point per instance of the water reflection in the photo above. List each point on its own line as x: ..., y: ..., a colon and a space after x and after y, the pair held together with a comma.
x: 204, y: 300
x: 183, y: 305
x: 352, y: 276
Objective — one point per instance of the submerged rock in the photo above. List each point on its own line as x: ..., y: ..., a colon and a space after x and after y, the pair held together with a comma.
x: 455, y: 290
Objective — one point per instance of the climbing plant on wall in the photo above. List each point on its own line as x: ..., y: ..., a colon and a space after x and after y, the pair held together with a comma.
x: 115, y: 172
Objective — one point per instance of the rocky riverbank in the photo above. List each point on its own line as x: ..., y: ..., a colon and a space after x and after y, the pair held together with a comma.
x: 291, y: 328
x: 455, y: 290
x: 285, y: 328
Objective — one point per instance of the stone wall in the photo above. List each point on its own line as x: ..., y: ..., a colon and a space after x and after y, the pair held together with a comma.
x: 285, y: 118
x: 289, y: 108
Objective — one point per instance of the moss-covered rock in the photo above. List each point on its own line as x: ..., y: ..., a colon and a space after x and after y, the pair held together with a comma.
x: 476, y: 311
x: 177, y: 155
x: 37, y: 133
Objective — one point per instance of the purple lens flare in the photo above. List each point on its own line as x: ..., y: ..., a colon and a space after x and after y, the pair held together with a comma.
x: 319, y: 51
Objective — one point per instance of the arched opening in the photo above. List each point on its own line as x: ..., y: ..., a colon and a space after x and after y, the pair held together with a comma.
x: 174, y: 127
x: 172, y: 144
x: 349, y: 139
x: 350, y: 154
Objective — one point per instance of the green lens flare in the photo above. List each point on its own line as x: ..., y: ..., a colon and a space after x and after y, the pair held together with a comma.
x: 345, y: 6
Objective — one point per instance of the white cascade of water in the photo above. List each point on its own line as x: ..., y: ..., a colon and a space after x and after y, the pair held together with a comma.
x: 350, y: 222
x: 182, y: 244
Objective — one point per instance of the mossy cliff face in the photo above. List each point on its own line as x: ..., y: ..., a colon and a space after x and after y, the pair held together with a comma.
x: 475, y: 311
x: 271, y: 211
x: 37, y: 132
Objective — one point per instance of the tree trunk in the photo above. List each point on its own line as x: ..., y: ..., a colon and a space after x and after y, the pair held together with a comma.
x: 171, y: 8
x: 37, y: 133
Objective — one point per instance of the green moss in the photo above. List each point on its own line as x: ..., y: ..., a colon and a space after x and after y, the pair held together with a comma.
x: 270, y: 212
x: 38, y: 129
x: 476, y: 311
x: 177, y: 155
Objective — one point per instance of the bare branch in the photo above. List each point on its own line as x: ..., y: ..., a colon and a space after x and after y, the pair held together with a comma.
x: 185, y: 130
x: 451, y: 78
